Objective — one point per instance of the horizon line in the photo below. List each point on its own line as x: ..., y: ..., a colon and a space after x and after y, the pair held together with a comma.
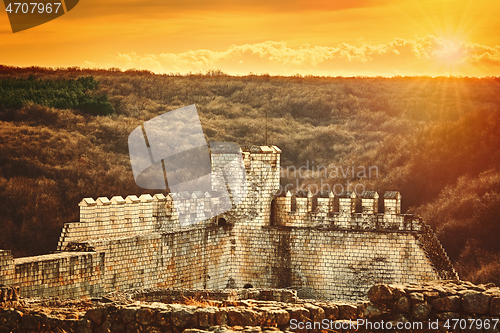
x: 220, y: 73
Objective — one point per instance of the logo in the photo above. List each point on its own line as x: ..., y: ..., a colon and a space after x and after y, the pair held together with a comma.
x: 28, y: 14
x: 169, y: 152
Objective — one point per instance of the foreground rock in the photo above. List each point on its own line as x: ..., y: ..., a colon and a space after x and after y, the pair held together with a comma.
x: 449, y: 305
x: 85, y: 316
x: 430, y: 305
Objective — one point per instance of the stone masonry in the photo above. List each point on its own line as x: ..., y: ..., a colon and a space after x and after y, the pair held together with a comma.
x: 332, y: 246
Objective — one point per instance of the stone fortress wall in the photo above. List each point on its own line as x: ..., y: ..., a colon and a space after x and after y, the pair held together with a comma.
x: 328, y: 246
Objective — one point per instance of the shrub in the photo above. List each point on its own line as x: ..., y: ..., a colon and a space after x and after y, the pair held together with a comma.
x: 63, y: 94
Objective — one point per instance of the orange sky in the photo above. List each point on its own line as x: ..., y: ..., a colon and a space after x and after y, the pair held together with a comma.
x: 319, y: 37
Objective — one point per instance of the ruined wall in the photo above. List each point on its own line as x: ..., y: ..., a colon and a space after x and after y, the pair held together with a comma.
x: 229, y: 295
x: 333, y: 246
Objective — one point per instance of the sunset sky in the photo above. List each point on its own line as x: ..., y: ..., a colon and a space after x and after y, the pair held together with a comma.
x: 319, y: 37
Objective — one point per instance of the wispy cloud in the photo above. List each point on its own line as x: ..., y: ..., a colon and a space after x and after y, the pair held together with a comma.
x: 417, y: 56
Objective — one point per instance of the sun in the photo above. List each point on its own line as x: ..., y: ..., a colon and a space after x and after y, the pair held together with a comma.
x: 450, y: 55
x: 448, y: 34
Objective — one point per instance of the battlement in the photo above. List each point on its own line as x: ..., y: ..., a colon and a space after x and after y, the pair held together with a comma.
x: 346, y: 210
x: 146, y: 208
x: 119, y: 217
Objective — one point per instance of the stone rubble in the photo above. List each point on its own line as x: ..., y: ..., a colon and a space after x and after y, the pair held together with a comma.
x: 441, y: 300
x: 426, y: 302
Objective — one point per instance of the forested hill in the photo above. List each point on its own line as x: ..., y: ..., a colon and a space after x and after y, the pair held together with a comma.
x: 436, y: 140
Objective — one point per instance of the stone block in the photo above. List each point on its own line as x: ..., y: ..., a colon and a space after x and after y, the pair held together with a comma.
x: 348, y: 311
x: 495, y: 306
x: 474, y: 302
x: 447, y: 304
x: 421, y: 311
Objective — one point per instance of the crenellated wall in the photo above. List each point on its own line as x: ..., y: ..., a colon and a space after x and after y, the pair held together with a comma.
x: 333, y: 246
x: 344, y: 211
x: 133, y: 215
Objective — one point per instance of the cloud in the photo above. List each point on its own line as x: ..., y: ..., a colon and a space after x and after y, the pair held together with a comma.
x: 428, y: 55
x: 483, y: 55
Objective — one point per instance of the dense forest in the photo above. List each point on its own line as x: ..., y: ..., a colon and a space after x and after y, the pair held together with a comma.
x: 436, y: 140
